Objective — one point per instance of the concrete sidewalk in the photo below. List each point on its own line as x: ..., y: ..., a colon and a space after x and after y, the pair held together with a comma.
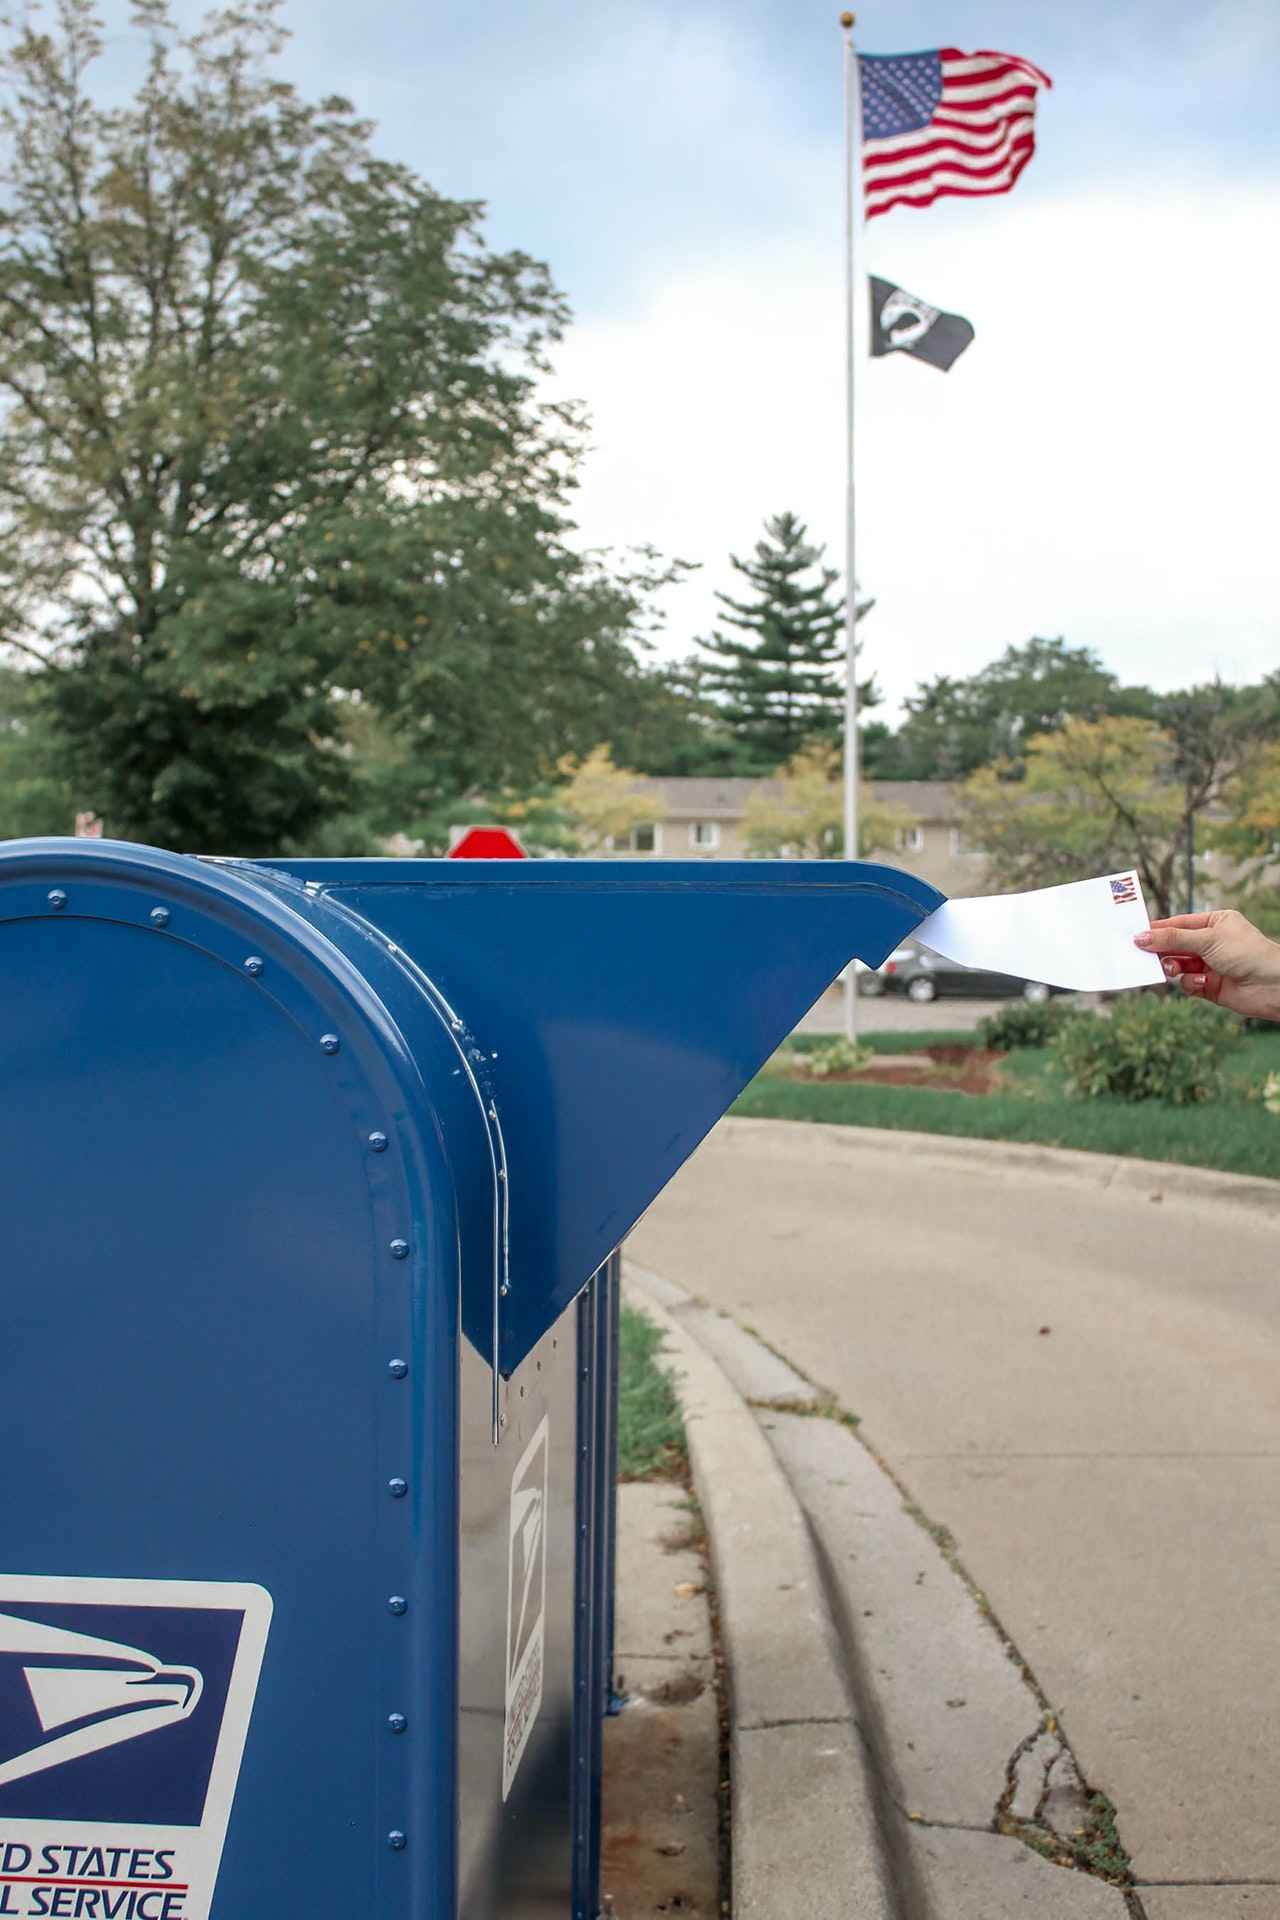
x: 1079, y: 1382
x: 660, y: 1839
x: 890, y: 1760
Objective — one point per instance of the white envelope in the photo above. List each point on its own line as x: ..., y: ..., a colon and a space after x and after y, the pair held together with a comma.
x: 1078, y: 936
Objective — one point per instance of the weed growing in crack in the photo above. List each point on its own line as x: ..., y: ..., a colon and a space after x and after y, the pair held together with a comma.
x: 1096, y: 1848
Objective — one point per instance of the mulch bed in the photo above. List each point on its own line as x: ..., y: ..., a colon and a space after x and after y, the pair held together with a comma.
x: 957, y: 1069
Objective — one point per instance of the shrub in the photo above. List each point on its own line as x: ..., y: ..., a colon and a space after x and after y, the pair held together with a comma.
x: 1021, y: 1025
x: 839, y: 1056
x: 1152, y: 1047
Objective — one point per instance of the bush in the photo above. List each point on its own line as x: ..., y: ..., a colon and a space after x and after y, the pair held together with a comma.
x: 1150, y: 1048
x: 839, y: 1056
x: 1021, y: 1025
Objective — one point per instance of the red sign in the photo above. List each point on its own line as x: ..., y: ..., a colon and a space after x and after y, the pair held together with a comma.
x: 488, y: 843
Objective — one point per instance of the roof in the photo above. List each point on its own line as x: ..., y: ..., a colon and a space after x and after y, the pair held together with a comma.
x: 708, y: 799
x: 726, y: 798
x: 927, y: 799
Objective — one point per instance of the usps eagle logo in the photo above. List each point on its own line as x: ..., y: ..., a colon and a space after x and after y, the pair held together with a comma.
x: 1124, y: 890
x: 526, y: 1600
x: 124, y: 1709
x: 87, y: 1693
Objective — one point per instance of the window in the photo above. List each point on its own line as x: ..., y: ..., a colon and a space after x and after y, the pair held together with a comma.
x: 912, y: 840
x: 960, y: 848
x: 704, y: 833
x: 644, y: 837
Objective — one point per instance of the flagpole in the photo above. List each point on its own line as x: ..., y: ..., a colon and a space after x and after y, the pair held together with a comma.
x: 852, y: 216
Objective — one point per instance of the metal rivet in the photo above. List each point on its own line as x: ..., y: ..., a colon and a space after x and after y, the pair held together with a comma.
x: 253, y: 965
x: 57, y: 898
x: 159, y: 916
x: 397, y: 1722
x: 397, y: 1368
x: 397, y: 1604
x: 504, y: 1290
x: 397, y: 1488
x: 399, y: 1249
x: 378, y: 1142
x: 329, y: 1043
x: 396, y: 1840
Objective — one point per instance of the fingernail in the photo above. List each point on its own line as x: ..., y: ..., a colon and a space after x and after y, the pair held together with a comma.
x: 1171, y: 969
x: 1143, y: 939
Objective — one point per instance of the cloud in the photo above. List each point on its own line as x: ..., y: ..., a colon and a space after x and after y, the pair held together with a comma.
x: 1099, y: 464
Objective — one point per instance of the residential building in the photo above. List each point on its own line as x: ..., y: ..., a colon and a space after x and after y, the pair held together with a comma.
x: 704, y: 819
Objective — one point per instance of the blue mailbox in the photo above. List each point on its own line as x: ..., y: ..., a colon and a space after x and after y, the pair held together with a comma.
x: 311, y: 1180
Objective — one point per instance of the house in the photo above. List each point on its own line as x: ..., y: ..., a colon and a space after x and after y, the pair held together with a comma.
x: 703, y: 819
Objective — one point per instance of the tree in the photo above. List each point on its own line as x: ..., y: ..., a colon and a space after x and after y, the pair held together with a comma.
x: 600, y: 802
x: 1250, y: 838
x: 956, y: 725
x: 805, y: 818
x: 33, y: 799
x: 1109, y: 793
x: 270, y: 442
x: 1218, y: 733
x: 781, y: 687
x: 664, y: 721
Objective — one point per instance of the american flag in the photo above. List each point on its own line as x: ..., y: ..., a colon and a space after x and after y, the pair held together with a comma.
x: 944, y: 122
x: 1122, y: 891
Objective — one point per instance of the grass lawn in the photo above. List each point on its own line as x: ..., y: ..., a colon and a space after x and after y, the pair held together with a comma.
x: 651, y: 1444
x: 1234, y: 1132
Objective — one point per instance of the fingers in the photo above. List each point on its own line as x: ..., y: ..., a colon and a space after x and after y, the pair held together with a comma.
x: 1177, y: 936
x: 1186, y: 920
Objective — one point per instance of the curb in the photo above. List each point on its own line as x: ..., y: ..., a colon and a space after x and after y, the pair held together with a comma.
x: 1157, y: 1179
x: 806, y: 1836
x: 956, y: 1811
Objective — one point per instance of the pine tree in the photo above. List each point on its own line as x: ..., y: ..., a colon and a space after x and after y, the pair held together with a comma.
x: 780, y: 687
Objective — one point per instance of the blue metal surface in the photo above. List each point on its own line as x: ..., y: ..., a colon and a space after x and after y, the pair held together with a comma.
x: 200, y: 1305
x: 597, y: 1429
x: 613, y: 1700
x: 619, y: 1010
x: 258, y: 1133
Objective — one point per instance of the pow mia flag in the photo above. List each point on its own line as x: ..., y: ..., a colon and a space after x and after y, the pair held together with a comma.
x: 902, y: 324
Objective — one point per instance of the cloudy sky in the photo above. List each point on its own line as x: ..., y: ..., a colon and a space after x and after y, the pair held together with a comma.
x: 1101, y: 463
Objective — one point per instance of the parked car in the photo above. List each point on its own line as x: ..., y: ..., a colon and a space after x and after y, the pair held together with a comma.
x: 923, y: 976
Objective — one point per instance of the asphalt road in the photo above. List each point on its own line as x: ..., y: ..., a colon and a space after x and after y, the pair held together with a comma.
x: 1081, y: 1384
x: 894, y: 1013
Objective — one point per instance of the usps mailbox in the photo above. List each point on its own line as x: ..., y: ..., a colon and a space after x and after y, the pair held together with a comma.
x: 311, y: 1179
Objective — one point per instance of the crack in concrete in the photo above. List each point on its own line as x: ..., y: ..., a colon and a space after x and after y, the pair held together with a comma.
x: 765, y: 1726
x: 1068, y: 1823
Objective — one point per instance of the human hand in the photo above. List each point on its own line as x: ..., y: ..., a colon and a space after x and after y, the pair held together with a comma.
x: 1221, y: 957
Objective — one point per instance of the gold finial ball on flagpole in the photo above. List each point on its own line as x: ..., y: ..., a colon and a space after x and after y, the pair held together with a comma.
x: 846, y: 20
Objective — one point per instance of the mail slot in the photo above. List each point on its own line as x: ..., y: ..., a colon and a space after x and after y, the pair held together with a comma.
x: 312, y: 1177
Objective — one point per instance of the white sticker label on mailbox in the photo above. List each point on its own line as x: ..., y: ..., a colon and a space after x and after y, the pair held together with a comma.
x: 124, y: 1706
x: 526, y: 1601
